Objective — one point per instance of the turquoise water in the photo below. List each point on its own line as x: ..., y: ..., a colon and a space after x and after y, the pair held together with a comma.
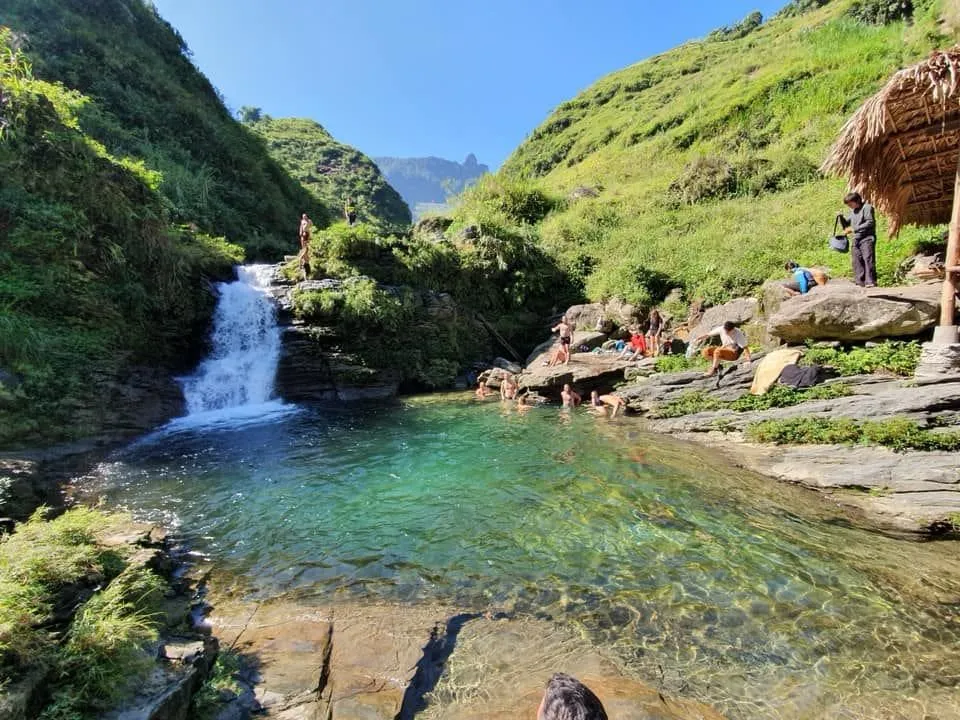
x: 753, y: 595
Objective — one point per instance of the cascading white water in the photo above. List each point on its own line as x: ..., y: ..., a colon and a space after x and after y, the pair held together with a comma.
x: 245, y: 350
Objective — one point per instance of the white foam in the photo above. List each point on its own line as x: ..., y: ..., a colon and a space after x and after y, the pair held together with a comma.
x: 240, y: 371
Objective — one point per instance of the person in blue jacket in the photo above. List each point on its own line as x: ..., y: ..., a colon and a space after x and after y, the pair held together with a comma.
x: 803, y: 280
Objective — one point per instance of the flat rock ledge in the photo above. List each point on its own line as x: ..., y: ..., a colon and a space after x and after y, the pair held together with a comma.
x: 910, y: 494
x: 355, y: 661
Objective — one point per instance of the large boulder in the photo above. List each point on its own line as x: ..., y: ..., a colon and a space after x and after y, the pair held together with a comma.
x: 842, y: 311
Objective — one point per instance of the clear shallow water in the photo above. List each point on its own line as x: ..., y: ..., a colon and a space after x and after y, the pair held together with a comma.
x: 753, y: 595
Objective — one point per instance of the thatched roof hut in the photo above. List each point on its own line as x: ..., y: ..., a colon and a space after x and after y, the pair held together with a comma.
x: 901, y: 148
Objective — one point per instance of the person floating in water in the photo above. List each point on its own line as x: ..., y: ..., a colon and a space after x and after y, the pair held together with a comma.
x: 566, y: 337
x: 350, y: 211
x: 304, y: 257
x: 483, y: 392
x: 733, y: 344
x: 566, y: 698
x: 862, y: 224
x: 570, y: 397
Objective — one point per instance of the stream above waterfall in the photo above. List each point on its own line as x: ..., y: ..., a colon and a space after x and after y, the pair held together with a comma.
x: 757, y: 597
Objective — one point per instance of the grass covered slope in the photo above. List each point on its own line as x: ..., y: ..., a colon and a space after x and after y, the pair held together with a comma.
x: 93, y: 277
x: 698, y: 168
x: 332, y: 171
x: 151, y: 103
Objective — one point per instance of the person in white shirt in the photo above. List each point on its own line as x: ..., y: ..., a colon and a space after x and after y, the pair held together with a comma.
x: 733, y: 344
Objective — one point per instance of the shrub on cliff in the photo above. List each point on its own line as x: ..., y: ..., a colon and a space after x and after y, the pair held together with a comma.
x: 48, y: 570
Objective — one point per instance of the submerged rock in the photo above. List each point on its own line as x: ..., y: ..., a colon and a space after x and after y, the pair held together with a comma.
x: 842, y: 311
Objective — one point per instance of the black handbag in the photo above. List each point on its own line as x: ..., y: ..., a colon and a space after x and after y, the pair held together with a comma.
x: 839, y: 242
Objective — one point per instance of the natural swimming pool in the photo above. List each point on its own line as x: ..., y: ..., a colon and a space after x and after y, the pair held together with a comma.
x: 758, y: 597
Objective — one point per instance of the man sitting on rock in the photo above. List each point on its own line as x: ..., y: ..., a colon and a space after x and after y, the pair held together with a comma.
x: 566, y: 698
x: 733, y: 344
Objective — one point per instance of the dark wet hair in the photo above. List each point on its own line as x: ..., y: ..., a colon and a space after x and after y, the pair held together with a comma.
x: 729, y: 325
x: 790, y: 265
x: 853, y: 197
x: 567, y: 698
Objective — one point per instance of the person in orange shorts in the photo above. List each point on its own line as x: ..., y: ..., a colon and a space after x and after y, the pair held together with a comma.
x: 733, y: 345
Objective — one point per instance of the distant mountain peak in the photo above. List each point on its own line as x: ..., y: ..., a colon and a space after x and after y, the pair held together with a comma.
x: 427, y: 183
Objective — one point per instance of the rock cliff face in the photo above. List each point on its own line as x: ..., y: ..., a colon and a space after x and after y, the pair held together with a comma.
x: 312, y: 367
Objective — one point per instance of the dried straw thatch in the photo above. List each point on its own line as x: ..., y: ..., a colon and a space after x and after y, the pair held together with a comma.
x: 901, y: 148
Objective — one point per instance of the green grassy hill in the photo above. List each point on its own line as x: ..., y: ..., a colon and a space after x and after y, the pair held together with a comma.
x: 332, y: 171
x: 93, y: 276
x: 698, y: 168
x: 151, y: 103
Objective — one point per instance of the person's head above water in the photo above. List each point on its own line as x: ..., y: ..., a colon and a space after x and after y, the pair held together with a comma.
x: 566, y: 698
x: 729, y: 325
x: 566, y: 388
x: 853, y: 200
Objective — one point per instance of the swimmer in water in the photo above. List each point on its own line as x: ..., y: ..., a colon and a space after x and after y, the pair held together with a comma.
x: 570, y: 397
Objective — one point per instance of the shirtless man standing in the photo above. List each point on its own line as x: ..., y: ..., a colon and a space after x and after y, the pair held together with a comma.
x: 566, y: 337
x: 304, y: 257
x: 570, y: 398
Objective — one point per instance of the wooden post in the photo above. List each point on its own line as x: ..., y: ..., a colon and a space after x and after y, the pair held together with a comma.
x: 948, y: 301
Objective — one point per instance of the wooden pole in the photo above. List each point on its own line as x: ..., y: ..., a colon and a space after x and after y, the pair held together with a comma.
x: 948, y: 301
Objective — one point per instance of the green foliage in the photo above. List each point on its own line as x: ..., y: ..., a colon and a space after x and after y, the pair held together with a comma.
x: 778, y: 396
x: 897, y: 434
x: 47, y: 563
x: 392, y: 328
x: 92, y: 275
x: 782, y: 396
x: 707, y: 157
x: 331, y: 171
x: 105, y: 656
x: 679, y: 363
x: 881, y: 12
x: 743, y: 28
x: 689, y: 403
x: 898, y: 358
x: 224, y: 677
x: 152, y: 105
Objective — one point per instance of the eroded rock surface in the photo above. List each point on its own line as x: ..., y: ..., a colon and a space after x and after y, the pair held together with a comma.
x: 382, y: 662
x: 842, y: 311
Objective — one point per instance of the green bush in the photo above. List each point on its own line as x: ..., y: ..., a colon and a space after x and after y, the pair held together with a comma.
x: 898, y: 434
x: 778, y: 396
x: 881, y: 12
x: 102, y: 654
x: 898, y: 358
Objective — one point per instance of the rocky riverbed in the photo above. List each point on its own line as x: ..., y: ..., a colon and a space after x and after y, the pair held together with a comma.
x: 359, y: 661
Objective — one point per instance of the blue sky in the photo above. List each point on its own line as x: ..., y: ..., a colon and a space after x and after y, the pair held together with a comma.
x: 431, y: 77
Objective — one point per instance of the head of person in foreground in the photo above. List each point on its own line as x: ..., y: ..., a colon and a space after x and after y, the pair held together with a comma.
x: 566, y: 698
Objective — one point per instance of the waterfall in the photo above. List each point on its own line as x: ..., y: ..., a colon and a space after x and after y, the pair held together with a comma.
x: 240, y: 370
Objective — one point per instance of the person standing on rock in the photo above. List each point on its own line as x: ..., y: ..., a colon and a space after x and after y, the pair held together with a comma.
x: 304, y: 257
x: 733, y: 344
x: 566, y: 698
x: 654, y: 332
x: 862, y: 225
x: 566, y: 338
